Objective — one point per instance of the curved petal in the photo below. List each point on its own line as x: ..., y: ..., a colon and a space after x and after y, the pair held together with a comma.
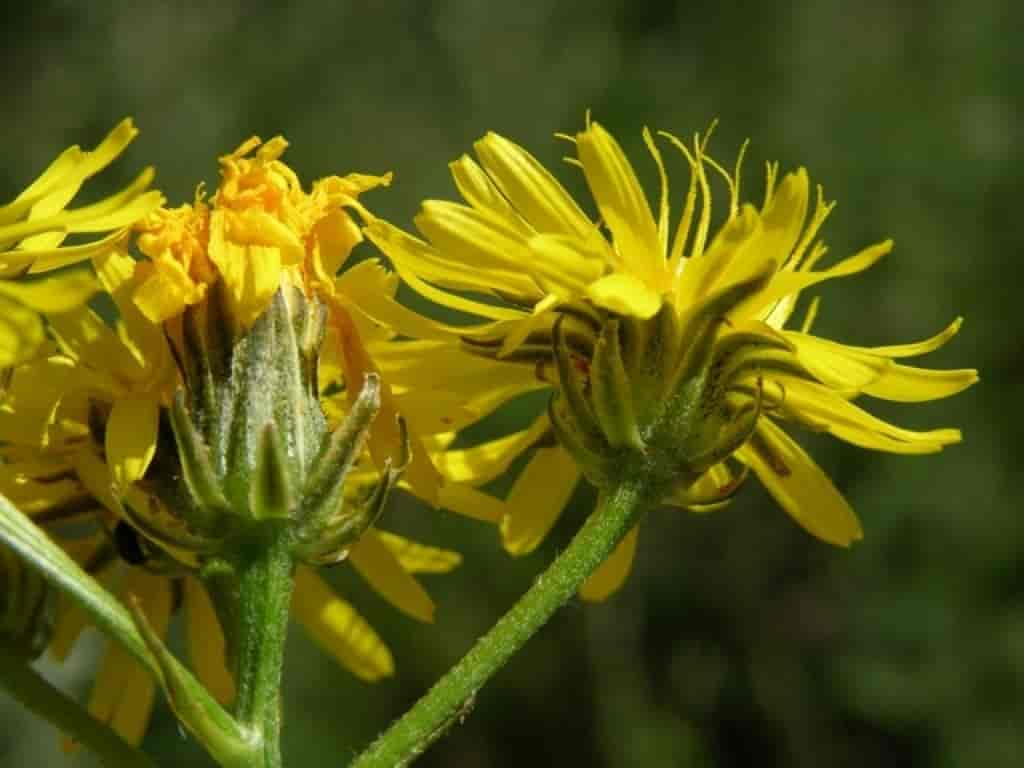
x: 799, y: 485
x: 131, y: 438
x: 624, y: 295
x: 483, y: 463
x: 54, y: 294
x: 531, y: 188
x: 419, y: 558
x: 206, y: 647
x: 537, y: 499
x: 21, y: 333
x: 612, y: 573
x: 382, y: 569
x: 124, y: 691
x: 622, y: 203
x: 821, y: 408
x: 469, y: 502
x: 337, y: 628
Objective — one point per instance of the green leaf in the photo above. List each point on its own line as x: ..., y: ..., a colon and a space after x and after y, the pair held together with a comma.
x: 41, y: 553
x: 199, y: 711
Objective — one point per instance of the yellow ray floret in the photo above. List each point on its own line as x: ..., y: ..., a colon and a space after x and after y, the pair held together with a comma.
x: 527, y: 261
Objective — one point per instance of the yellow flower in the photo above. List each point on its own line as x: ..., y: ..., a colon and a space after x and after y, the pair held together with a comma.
x: 34, y: 226
x: 259, y: 231
x: 65, y: 487
x: 665, y: 346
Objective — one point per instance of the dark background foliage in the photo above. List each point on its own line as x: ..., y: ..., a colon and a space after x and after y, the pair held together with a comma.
x: 738, y: 638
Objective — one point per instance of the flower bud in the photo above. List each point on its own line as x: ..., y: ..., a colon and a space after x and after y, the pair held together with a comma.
x: 655, y: 395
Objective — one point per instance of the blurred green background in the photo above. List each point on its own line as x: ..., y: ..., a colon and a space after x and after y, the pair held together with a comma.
x: 739, y: 639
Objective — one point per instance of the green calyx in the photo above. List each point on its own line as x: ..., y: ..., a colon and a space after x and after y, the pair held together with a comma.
x: 660, y: 398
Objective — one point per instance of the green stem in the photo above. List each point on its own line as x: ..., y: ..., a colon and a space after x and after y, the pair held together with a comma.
x: 266, y: 580
x: 407, y: 738
x: 40, y: 697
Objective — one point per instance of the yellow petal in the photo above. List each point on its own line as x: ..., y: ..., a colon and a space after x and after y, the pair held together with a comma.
x: 822, y: 408
x: 731, y: 258
x: 385, y: 441
x: 863, y: 369
x: 165, y: 289
x: 483, y: 463
x: 478, y: 190
x: 143, y: 339
x: 124, y: 691
x: 417, y: 263
x: 376, y: 563
x: 372, y: 288
x: 787, y: 283
x: 624, y: 295
x: 419, y: 558
x: 55, y: 294
x: 21, y: 333
x: 612, y: 573
x: 537, y: 499
x: 799, y: 485
x: 338, y: 629
x: 783, y: 218
x: 469, y: 502
x: 71, y: 620
x: 920, y: 347
x: 206, y: 642
x: 531, y: 188
x: 622, y: 203
x: 131, y: 438
x: 251, y: 273
x: 486, y: 245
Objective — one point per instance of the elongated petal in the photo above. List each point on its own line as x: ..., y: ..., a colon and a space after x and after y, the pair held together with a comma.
x: 537, y: 499
x: 382, y: 569
x: 206, y: 647
x: 251, y: 272
x: 787, y: 283
x: 822, y: 408
x: 469, y: 502
x: 124, y: 692
x: 417, y: 263
x: 624, y: 294
x: 483, y: 463
x: 622, y: 203
x: 131, y: 438
x: 842, y: 366
x: 612, y: 573
x: 339, y: 629
x: 799, y: 485
x: 372, y: 288
x: 531, y: 188
x: 386, y: 440
x: 478, y: 190
x: 21, y: 333
x: 55, y: 294
x: 489, y: 246
x: 419, y: 558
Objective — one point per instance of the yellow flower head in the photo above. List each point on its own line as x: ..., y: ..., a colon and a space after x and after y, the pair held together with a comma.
x: 33, y: 230
x: 259, y: 227
x: 664, y: 348
x: 66, y: 488
x: 259, y: 231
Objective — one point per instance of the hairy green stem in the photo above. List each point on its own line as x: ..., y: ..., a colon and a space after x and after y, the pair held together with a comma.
x: 619, y: 510
x: 39, y: 696
x: 266, y: 580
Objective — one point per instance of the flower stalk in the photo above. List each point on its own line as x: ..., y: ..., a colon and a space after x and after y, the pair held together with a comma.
x: 265, y: 582
x: 620, y: 508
